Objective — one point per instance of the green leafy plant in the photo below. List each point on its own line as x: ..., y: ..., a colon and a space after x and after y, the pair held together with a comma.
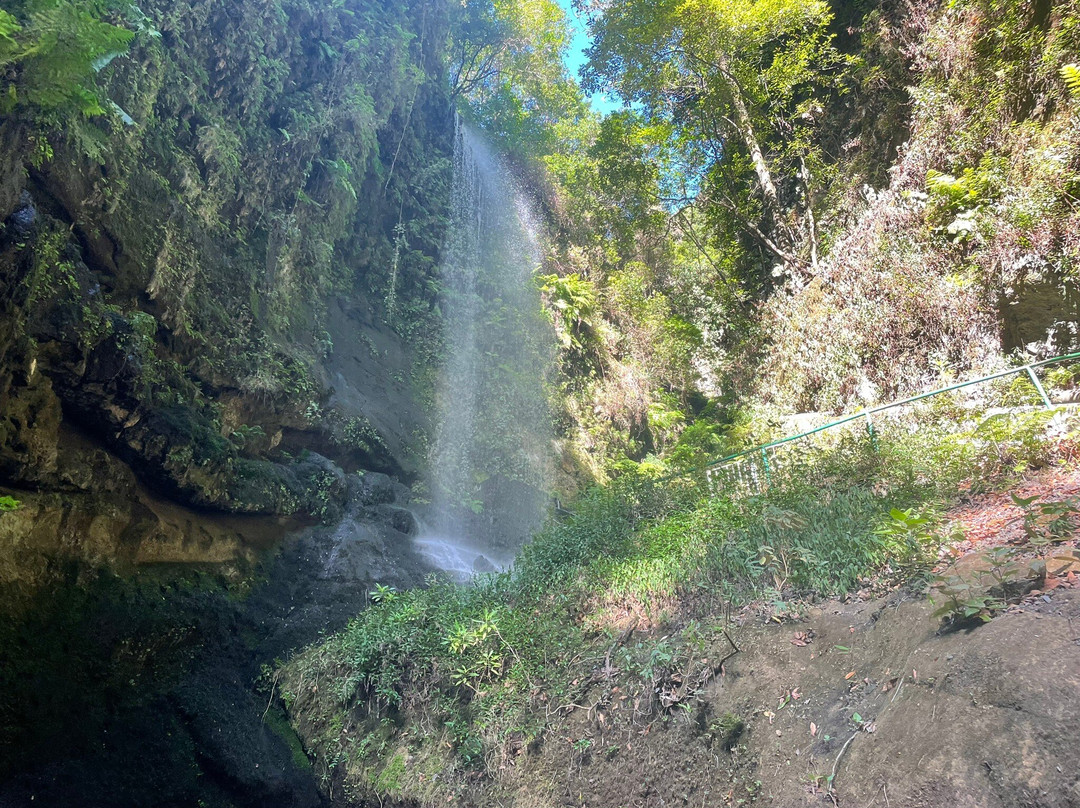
x: 573, y: 304
x: 383, y: 594
x: 962, y: 600
x: 911, y: 538
x: 55, y: 47
x: 1046, y: 522
x: 985, y: 593
x: 9, y: 503
x: 1070, y: 74
x: 245, y: 434
x: 582, y: 745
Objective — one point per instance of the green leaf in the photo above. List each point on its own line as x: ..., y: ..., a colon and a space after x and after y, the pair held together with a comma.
x: 1023, y: 502
x: 1070, y: 73
x: 8, y: 26
x: 948, y: 608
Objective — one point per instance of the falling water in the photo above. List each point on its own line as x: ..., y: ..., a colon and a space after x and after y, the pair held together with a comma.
x: 492, y: 454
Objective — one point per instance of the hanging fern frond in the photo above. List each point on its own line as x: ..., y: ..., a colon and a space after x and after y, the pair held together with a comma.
x: 1071, y: 75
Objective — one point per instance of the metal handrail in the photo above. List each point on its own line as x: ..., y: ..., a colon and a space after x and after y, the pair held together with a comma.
x: 867, y: 413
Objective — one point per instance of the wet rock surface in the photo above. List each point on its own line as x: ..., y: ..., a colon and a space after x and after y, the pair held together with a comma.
x: 143, y: 690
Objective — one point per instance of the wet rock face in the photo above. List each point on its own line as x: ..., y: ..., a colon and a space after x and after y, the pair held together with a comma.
x: 69, y: 355
x: 194, y: 644
x: 20, y: 224
x: 168, y: 296
x: 174, y: 444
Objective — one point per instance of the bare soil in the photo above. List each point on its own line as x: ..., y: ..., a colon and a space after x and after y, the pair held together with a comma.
x: 902, y: 715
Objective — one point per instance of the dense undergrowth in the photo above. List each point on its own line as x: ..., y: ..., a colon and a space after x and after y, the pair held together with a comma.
x: 924, y: 157
x: 460, y: 678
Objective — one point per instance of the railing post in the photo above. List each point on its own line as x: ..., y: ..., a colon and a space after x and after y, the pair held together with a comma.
x: 1038, y: 386
x: 870, y: 430
x: 768, y: 475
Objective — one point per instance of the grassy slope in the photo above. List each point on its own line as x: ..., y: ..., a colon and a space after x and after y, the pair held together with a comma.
x: 459, y: 680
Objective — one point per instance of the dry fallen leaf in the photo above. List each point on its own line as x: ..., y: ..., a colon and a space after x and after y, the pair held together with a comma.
x: 802, y: 638
x: 813, y: 730
x: 850, y: 675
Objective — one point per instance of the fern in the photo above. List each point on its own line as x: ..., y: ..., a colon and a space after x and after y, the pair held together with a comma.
x: 56, y: 48
x: 9, y: 46
x: 1070, y: 73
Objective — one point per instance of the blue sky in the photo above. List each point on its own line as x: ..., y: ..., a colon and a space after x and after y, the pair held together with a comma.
x: 575, y: 56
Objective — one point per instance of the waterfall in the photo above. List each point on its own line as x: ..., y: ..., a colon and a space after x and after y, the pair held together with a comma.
x: 491, y: 459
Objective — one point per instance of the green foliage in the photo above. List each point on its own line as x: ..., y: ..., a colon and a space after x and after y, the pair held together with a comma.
x: 275, y: 195
x: 721, y: 76
x: 1049, y: 522
x: 1003, y: 574
x: 382, y: 593
x: 51, y: 49
x: 842, y: 514
x: 699, y: 443
x: 1070, y: 74
x: 506, y: 64
x: 573, y: 303
x: 965, y: 191
x: 959, y: 200
x: 912, y: 539
x: 9, y: 503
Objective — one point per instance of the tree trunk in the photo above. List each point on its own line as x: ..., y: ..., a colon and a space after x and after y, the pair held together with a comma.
x: 746, y: 130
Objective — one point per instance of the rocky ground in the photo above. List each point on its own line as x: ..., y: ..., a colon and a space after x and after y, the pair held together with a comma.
x: 865, y: 703
x: 145, y: 690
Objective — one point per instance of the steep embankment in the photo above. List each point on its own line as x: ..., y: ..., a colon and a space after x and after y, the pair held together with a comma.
x: 670, y: 695
x: 875, y: 699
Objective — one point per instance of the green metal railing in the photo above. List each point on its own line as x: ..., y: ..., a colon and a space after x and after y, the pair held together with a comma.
x: 867, y: 414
